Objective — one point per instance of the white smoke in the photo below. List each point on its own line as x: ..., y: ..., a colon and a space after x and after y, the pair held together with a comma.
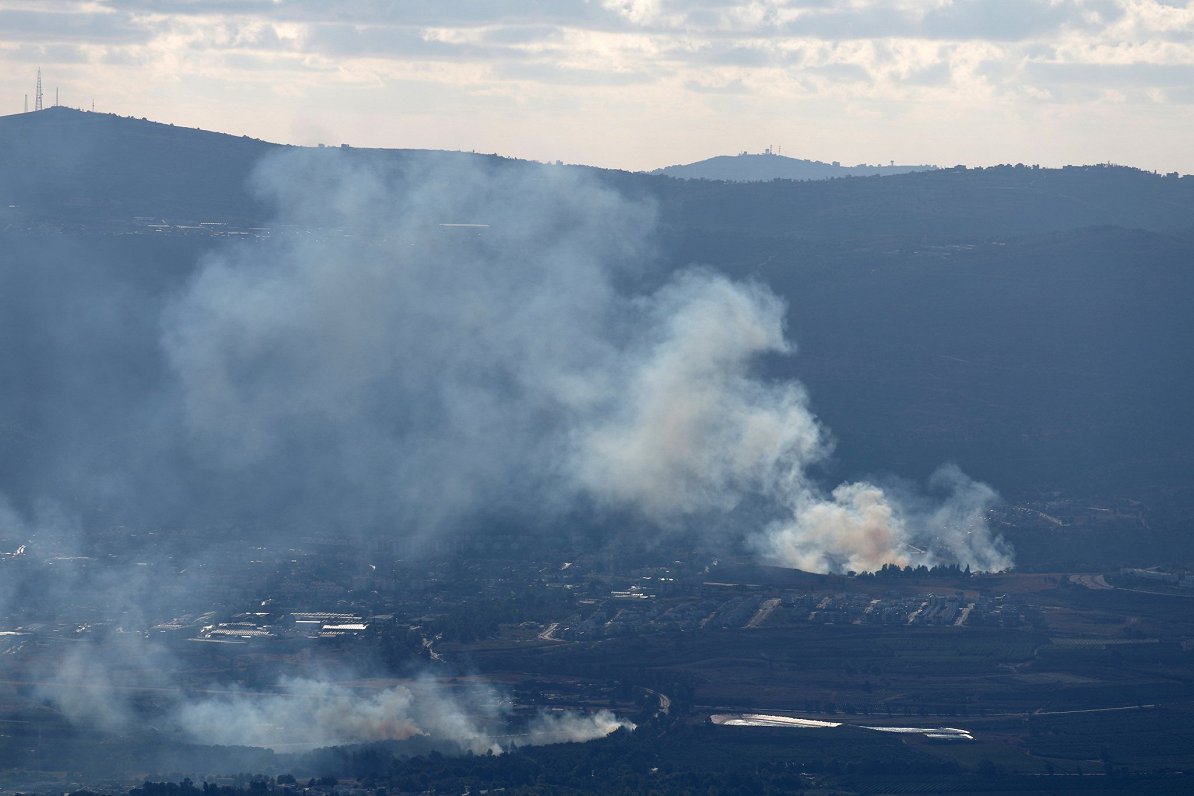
x: 861, y: 527
x: 93, y: 687
x: 381, y: 368
x: 689, y: 429
x: 856, y: 528
x: 303, y: 714
x: 572, y: 727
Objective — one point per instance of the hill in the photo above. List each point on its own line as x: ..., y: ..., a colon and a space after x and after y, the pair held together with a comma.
x: 1030, y: 324
x: 62, y: 164
x: 747, y: 167
x: 75, y: 165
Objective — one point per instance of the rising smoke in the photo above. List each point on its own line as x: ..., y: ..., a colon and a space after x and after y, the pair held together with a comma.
x: 391, y: 368
x: 373, y: 365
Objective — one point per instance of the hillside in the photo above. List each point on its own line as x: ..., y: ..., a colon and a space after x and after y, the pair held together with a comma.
x: 747, y: 167
x: 1032, y: 325
x: 74, y: 165
x: 945, y: 207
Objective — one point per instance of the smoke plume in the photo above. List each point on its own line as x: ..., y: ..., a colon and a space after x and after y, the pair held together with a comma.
x: 420, y: 346
x: 861, y: 527
x: 304, y: 714
x: 93, y: 685
x: 389, y: 368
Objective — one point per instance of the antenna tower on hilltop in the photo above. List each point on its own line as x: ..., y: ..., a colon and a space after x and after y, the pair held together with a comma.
x: 37, y: 101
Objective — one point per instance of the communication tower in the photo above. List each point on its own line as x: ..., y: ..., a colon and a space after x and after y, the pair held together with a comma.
x: 37, y: 101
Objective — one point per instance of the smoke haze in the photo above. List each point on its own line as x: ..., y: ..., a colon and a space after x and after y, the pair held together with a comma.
x: 309, y: 713
x: 415, y: 350
x: 93, y: 684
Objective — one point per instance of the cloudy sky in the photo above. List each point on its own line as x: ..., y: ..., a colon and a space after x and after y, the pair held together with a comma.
x: 636, y: 83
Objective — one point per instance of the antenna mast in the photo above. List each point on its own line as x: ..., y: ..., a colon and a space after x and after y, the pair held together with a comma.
x: 37, y: 101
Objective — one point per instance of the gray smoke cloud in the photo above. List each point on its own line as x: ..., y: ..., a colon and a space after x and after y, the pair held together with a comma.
x: 93, y: 682
x: 83, y: 689
x: 571, y: 727
x: 429, y: 345
x: 308, y: 713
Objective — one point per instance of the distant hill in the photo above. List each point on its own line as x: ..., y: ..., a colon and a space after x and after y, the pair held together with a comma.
x: 746, y: 167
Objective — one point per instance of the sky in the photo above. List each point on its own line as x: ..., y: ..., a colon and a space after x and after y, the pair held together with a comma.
x: 636, y: 84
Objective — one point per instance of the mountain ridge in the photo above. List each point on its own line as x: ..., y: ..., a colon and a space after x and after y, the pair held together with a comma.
x: 80, y: 166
